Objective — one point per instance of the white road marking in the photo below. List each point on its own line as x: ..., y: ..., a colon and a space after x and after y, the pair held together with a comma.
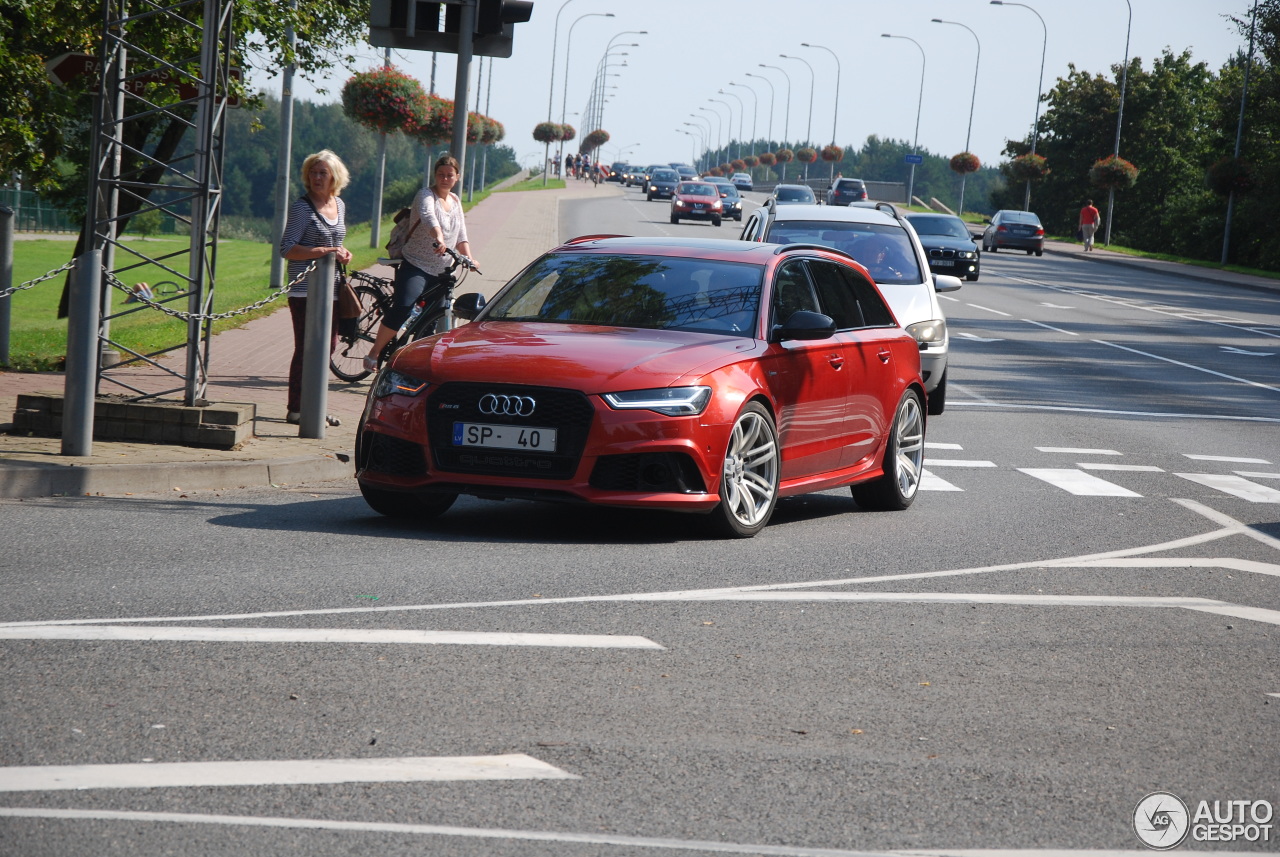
x: 1099, y: 465
x: 1054, y: 306
x: 1276, y: 695
x: 1189, y: 366
x: 989, y: 309
x: 323, y: 635
x: 1076, y: 409
x: 278, y: 772
x: 930, y: 482
x: 1254, y: 474
x: 1236, y: 486
x: 1232, y: 350
x: 1073, y: 451
x: 1078, y: 482
x: 1227, y: 458
x: 928, y: 444
x: 1226, y: 563
x: 1252, y: 614
x: 1229, y: 524
x: 690, y: 845
x: 980, y: 598
x: 958, y: 462
x: 975, y: 338
x: 1051, y: 327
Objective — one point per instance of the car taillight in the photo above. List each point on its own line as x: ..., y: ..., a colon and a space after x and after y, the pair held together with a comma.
x: 1039, y: 231
x: 1002, y: 229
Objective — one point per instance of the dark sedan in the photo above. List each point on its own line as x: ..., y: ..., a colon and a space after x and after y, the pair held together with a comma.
x: 662, y: 184
x: 948, y: 243
x: 793, y: 194
x: 845, y: 191
x: 1014, y: 230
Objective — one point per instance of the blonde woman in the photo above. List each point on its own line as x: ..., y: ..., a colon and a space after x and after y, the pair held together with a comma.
x: 440, y: 225
x: 317, y: 226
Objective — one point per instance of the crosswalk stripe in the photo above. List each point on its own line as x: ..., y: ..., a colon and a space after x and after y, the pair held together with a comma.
x: 1235, y: 485
x: 957, y: 462
x: 1228, y: 458
x: 1071, y: 450
x: 413, y: 769
x: 1135, y: 468
x: 384, y: 636
x: 1078, y: 482
x: 929, y: 482
x: 928, y: 444
x: 1254, y: 474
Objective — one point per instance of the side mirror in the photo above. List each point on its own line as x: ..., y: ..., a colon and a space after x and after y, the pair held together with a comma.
x: 468, y: 306
x: 946, y: 283
x: 807, y: 325
x: 986, y: 220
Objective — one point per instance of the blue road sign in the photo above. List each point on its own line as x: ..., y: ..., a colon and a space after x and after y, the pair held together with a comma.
x: 913, y: 159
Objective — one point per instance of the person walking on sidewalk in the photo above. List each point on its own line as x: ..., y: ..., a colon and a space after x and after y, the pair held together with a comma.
x: 1089, y: 220
x: 317, y: 226
x: 423, y: 260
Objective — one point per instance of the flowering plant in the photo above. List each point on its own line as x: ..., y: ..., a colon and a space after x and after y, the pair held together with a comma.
x: 1232, y: 175
x: 1029, y: 167
x: 806, y: 155
x: 738, y: 164
x: 595, y: 139
x: 767, y: 159
x: 965, y: 162
x: 567, y: 132
x: 493, y: 131
x: 783, y: 155
x: 384, y: 100
x: 1114, y: 173
x: 750, y: 161
x: 435, y: 123
x: 832, y: 153
x: 548, y: 132
x: 714, y: 171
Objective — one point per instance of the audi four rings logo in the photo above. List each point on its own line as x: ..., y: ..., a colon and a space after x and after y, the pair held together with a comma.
x: 507, y: 406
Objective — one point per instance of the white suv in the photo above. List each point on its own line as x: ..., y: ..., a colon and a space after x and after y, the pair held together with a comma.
x: 887, y: 246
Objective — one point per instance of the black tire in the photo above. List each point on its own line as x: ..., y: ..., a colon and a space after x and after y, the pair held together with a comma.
x: 738, y: 218
x: 675, y: 219
x: 993, y: 248
x: 938, y: 398
x: 715, y: 221
x: 749, y: 475
x: 649, y: 197
x: 347, y: 360
x: 405, y: 506
x: 1029, y: 252
x: 973, y: 278
x: 1039, y: 252
x: 903, y: 460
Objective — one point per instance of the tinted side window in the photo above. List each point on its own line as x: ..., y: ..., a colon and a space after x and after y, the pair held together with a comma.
x: 836, y: 294
x: 874, y: 311
x: 792, y: 292
x: 749, y: 231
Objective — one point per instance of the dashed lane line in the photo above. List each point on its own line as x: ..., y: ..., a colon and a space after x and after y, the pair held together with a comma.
x: 1260, y: 386
x: 1130, y: 468
x: 1071, y: 450
x: 1230, y: 459
x: 1078, y: 482
x: 278, y: 772
x: 1237, y: 486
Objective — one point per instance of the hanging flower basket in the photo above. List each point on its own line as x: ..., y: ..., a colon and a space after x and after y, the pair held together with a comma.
x: 738, y: 164
x: 784, y: 155
x: 806, y: 155
x: 595, y: 140
x: 767, y: 159
x: 493, y: 132
x: 567, y: 132
x: 1232, y: 175
x: 384, y: 100
x: 435, y: 125
x: 832, y: 153
x: 714, y: 171
x: 1113, y: 173
x: 965, y: 162
x: 548, y: 132
x: 750, y: 161
x: 1029, y: 167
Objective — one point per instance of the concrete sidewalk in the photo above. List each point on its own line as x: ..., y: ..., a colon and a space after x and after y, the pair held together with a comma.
x: 250, y: 365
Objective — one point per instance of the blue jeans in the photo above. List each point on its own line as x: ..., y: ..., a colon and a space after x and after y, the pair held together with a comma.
x: 408, y: 286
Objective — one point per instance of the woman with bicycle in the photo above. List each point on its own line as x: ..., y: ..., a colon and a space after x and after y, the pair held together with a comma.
x: 440, y: 225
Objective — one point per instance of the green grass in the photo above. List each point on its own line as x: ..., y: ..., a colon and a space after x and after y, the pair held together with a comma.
x: 535, y: 184
x: 38, y: 338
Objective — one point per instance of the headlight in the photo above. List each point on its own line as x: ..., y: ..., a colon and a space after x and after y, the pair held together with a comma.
x: 680, y: 203
x: 653, y: 188
x: 926, y: 332
x: 966, y: 254
x: 671, y: 401
x: 393, y: 383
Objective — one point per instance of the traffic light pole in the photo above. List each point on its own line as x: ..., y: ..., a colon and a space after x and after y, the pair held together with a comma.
x: 466, y: 24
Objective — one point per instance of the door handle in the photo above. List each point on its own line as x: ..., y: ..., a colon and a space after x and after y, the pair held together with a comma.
x: 884, y: 355
x: 836, y: 361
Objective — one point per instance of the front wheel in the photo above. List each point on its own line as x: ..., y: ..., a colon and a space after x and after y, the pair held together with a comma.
x: 938, y: 398
x: 749, y: 475
x: 715, y: 221
x: 407, y: 507
x: 347, y: 361
x: 675, y: 219
x: 896, y: 488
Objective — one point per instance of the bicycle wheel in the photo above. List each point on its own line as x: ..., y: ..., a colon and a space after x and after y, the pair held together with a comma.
x: 347, y: 361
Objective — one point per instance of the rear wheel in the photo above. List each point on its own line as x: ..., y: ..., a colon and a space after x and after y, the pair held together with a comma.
x: 749, y: 475
x: 903, y: 460
x: 993, y: 248
x: 407, y: 507
x: 347, y: 361
x: 938, y: 398
x: 1039, y: 252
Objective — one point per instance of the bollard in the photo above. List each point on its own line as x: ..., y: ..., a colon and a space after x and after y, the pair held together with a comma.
x: 82, y: 355
x: 6, y: 279
x: 315, y: 349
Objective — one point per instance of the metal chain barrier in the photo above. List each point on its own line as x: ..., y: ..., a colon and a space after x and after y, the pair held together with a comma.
x: 30, y: 284
x: 187, y: 316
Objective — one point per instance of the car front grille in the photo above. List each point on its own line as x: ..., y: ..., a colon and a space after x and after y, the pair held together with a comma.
x: 569, y: 412
x: 654, y: 472
x: 391, y: 455
x: 942, y: 254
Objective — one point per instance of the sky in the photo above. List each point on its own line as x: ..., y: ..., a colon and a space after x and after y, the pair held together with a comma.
x: 692, y: 49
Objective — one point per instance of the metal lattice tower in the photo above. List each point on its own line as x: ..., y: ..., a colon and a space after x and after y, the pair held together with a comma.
x: 157, y: 145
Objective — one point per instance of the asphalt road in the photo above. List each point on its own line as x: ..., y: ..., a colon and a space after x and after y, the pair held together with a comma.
x: 1082, y: 608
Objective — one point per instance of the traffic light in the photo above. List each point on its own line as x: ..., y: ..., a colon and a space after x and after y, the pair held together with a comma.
x: 418, y: 25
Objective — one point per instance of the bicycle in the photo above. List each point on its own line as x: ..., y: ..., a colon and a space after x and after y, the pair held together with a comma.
x: 347, y: 361
x: 432, y: 306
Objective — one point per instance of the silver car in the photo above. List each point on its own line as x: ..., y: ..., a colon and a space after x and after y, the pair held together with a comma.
x: 888, y: 247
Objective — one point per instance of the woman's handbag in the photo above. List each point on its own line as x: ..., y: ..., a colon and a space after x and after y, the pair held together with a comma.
x: 347, y: 307
x: 1079, y: 233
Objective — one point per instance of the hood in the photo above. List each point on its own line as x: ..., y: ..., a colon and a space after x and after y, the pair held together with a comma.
x: 946, y: 242
x: 911, y: 303
x: 579, y: 356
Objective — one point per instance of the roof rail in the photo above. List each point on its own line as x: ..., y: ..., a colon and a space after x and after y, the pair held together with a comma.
x: 891, y: 208
x: 802, y: 246
x: 584, y: 238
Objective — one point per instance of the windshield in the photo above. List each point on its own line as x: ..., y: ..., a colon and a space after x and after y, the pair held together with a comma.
x: 952, y: 227
x: 653, y: 292
x: 884, y: 249
x: 688, y: 189
x: 1020, y: 217
x: 793, y: 194
x: 664, y: 176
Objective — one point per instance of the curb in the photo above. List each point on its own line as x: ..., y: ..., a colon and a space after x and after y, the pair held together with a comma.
x: 23, y: 480
x: 1175, y: 269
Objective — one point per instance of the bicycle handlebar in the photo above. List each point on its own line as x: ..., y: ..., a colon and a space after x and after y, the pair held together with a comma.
x: 459, y: 259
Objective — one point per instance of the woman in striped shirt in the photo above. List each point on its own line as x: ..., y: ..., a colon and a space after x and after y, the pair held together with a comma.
x: 317, y: 226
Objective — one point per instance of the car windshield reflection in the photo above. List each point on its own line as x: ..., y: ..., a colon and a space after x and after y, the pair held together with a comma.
x: 883, y: 249
x: 634, y: 291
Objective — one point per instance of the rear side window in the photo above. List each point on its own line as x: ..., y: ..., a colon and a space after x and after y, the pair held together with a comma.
x: 836, y: 294
x: 875, y: 313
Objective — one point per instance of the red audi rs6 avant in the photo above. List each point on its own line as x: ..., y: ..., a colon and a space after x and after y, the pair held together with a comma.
x: 694, y: 375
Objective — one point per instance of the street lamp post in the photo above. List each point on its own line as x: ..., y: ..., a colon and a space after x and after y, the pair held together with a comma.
x: 719, y: 136
x: 972, y: 101
x: 728, y: 156
x: 1244, y: 100
x: 835, y: 111
x: 693, y: 142
x: 772, y: 95
x: 1035, y: 128
x: 786, y: 120
x: 705, y: 134
x: 915, y: 142
x: 1115, y: 150
x: 702, y: 141
x: 813, y: 82
x: 755, y: 103
x: 609, y: 47
x: 742, y: 112
x: 568, y: 44
x: 551, y: 85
